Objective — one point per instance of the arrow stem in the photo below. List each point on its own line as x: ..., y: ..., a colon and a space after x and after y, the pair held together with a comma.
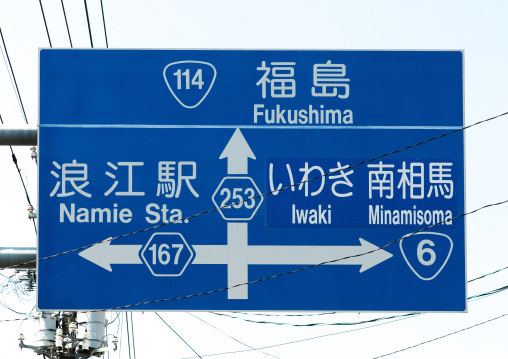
x: 237, y: 260
x: 237, y: 166
x: 366, y: 255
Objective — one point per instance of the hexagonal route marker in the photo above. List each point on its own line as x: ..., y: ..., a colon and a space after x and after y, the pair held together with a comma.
x: 237, y: 198
x: 167, y: 254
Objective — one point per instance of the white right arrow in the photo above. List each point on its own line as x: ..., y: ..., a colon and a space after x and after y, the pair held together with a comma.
x: 237, y: 152
x: 298, y: 255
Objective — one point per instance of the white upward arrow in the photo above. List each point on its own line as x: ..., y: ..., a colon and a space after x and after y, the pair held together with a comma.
x: 367, y: 255
x: 104, y: 254
x: 237, y: 152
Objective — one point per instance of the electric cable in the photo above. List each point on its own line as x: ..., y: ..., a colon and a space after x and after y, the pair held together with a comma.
x: 13, y: 77
x: 107, y: 335
x: 487, y: 294
x: 286, y: 273
x: 398, y: 318
x: 28, y: 316
x: 15, y: 320
x: 128, y: 334
x: 120, y: 337
x: 177, y: 334
x: 66, y: 23
x: 248, y: 346
x: 488, y: 274
x: 306, y: 267
x: 443, y: 336
x: 317, y: 324
x: 88, y: 22
x: 303, y: 340
x: 45, y: 24
x: 469, y: 299
x: 101, y: 345
x: 104, y: 24
x: 302, y: 268
x: 284, y: 315
x: 20, y: 102
x: 332, y: 313
x: 267, y: 193
x: 117, y: 315
x: 402, y: 317
x: 133, y: 342
x: 15, y: 160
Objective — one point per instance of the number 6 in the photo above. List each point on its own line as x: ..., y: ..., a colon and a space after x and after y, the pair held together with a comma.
x: 421, y: 251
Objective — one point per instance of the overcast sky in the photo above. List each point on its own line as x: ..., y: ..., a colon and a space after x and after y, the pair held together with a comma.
x: 478, y: 28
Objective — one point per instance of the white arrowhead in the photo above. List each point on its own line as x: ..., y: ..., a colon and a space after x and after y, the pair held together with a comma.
x: 103, y: 254
x: 372, y: 259
x: 237, y: 152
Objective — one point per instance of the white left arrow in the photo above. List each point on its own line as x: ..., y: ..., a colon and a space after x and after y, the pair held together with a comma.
x: 104, y: 254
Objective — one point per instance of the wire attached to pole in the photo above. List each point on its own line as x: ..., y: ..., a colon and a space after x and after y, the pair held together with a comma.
x: 88, y: 22
x: 66, y: 23
x: 45, y: 23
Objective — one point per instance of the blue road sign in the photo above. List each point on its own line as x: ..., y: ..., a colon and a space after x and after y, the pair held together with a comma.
x: 137, y: 139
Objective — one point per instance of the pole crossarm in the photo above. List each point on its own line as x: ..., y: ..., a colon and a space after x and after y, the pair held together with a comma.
x: 18, y: 136
x: 12, y: 256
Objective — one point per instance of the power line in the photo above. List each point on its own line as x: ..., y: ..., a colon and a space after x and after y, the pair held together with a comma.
x: 300, y: 269
x: 401, y: 317
x: 177, y: 334
x: 333, y: 313
x: 281, y: 189
x: 303, y: 268
x: 120, y: 336
x: 285, y: 315
x: 265, y: 194
x: 248, y: 346
x: 104, y: 24
x: 318, y: 324
x: 488, y: 294
x: 20, y: 102
x: 66, y: 23
x: 469, y: 299
x: 15, y: 320
x: 45, y: 24
x: 128, y: 334
x: 15, y: 160
x: 13, y: 77
x: 398, y: 318
x: 443, y: 336
x: 88, y: 22
x: 133, y: 342
x: 486, y: 275
x: 302, y: 340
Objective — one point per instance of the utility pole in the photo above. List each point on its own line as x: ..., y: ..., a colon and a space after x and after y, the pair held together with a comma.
x: 71, y: 335
x: 61, y: 335
x: 18, y: 258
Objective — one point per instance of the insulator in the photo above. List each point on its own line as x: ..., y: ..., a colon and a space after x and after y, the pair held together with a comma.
x: 86, y: 341
x: 59, y: 339
x: 47, y: 328
x: 33, y: 152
